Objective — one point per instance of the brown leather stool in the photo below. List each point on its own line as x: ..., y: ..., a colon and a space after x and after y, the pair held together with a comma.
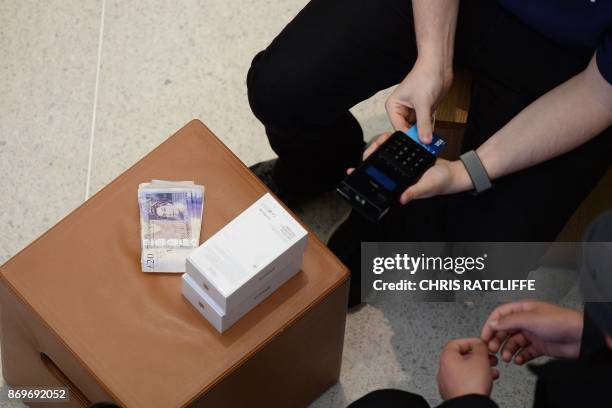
x: 78, y: 312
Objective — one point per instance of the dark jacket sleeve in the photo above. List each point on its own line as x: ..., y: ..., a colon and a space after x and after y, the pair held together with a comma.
x: 469, y: 401
x: 593, y: 341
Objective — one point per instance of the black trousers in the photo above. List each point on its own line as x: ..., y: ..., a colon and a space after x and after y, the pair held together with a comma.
x: 390, y: 398
x: 336, y: 53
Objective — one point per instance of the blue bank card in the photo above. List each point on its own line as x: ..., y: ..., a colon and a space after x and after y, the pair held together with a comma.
x: 436, y: 145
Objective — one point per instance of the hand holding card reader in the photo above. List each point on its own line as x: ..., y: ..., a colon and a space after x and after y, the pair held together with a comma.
x: 381, y: 179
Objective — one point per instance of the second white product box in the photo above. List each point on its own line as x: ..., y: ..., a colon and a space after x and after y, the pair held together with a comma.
x: 245, y: 255
x: 223, y: 320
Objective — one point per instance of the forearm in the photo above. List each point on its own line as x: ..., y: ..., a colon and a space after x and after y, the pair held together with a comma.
x: 559, y: 121
x: 435, y: 22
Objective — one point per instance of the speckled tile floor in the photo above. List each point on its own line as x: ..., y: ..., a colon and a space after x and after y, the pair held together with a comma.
x: 90, y: 86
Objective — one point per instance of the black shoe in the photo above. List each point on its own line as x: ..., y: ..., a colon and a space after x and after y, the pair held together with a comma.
x: 265, y: 171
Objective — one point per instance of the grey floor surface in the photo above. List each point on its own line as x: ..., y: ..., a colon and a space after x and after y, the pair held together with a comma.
x: 87, y: 87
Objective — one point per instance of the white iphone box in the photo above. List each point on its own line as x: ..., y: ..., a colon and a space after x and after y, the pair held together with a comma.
x: 222, y: 320
x: 245, y: 255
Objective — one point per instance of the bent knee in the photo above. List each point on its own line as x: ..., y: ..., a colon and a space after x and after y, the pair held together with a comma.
x: 279, y: 96
x: 266, y: 97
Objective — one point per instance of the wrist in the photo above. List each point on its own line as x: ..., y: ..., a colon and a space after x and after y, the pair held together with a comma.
x: 460, y: 179
x: 470, y: 400
x: 470, y: 386
x: 437, y: 65
x: 578, y: 330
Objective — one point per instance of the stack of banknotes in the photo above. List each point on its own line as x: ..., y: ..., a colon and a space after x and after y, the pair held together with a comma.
x: 170, y: 223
